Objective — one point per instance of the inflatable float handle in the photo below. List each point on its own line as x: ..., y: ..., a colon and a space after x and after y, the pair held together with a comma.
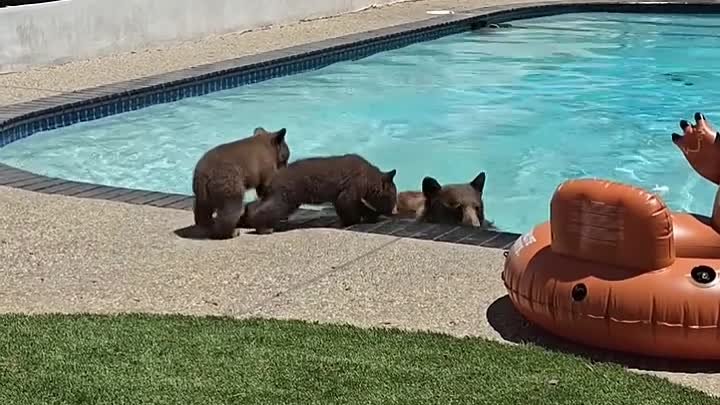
x: 611, y: 223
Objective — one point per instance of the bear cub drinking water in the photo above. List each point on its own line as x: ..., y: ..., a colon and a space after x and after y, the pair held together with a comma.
x: 450, y: 204
x: 224, y: 173
x: 358, y: 190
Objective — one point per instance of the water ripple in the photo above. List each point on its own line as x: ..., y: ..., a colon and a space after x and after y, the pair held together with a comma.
x: 579, y: 95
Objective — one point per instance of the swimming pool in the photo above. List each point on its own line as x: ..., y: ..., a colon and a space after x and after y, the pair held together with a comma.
x: 552, y: 98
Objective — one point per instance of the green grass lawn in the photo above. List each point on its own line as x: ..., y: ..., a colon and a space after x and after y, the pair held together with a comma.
x: 137, y: 359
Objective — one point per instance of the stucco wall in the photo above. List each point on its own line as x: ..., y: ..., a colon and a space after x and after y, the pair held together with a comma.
x: 77, y: 29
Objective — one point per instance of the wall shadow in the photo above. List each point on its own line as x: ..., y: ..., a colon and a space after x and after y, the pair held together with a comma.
x: 513, y: 327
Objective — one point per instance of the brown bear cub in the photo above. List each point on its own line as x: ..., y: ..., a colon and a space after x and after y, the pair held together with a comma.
x: 449, y: 204
x: 359, y: 191
x: 224, y: 173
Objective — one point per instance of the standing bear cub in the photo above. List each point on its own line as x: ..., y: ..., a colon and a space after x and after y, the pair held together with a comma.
x: 358, y: 190
x: 224, y: 173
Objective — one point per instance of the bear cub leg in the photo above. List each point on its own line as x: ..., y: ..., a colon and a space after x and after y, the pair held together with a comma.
x: 265, y: 215
x: 348, y: 209
x: 228, y: 217
x: 203, y: 214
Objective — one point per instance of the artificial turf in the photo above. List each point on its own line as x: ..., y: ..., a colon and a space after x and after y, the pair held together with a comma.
x: 153, y: 359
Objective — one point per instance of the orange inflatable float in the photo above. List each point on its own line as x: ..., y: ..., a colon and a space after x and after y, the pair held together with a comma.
x: 615, y: 269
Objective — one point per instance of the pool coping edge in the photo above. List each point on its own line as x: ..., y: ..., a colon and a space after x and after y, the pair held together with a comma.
x: 31, y: 113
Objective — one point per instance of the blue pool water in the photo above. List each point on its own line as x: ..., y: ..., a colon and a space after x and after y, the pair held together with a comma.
x: 550, y: 99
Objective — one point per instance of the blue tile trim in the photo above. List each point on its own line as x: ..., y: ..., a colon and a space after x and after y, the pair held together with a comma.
x: 22, y: 126
x: 91, y: 104
x: 21, y: 120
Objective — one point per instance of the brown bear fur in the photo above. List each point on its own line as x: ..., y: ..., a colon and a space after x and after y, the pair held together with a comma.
x: 224, y: 173
x: 358, y: 190
x: 450, y: 204
x: 411, y: 204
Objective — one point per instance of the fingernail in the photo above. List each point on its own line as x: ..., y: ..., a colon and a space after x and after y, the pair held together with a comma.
x: 698, y: 116
x: 675, y: 136
x: 684, y: 124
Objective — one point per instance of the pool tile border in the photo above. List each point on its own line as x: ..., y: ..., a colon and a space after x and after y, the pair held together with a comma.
x: 18, y: 121
x: 304, y: 218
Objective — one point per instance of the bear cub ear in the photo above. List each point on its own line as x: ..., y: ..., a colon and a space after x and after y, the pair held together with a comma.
x: 479, y: 182
x: 259, y: 131
x: 430, y: 187
x: 388, y: 177
x: 280, y: 136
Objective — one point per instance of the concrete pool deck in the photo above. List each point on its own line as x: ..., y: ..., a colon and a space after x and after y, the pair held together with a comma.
x: 72, y: 255
x: 64, y: 254
x: 50, y: 80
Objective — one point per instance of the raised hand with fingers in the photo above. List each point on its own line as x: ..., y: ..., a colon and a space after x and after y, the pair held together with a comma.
x: 700, y: 144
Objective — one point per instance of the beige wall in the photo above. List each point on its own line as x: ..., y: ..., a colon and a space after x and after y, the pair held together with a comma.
x: 77, y: 29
